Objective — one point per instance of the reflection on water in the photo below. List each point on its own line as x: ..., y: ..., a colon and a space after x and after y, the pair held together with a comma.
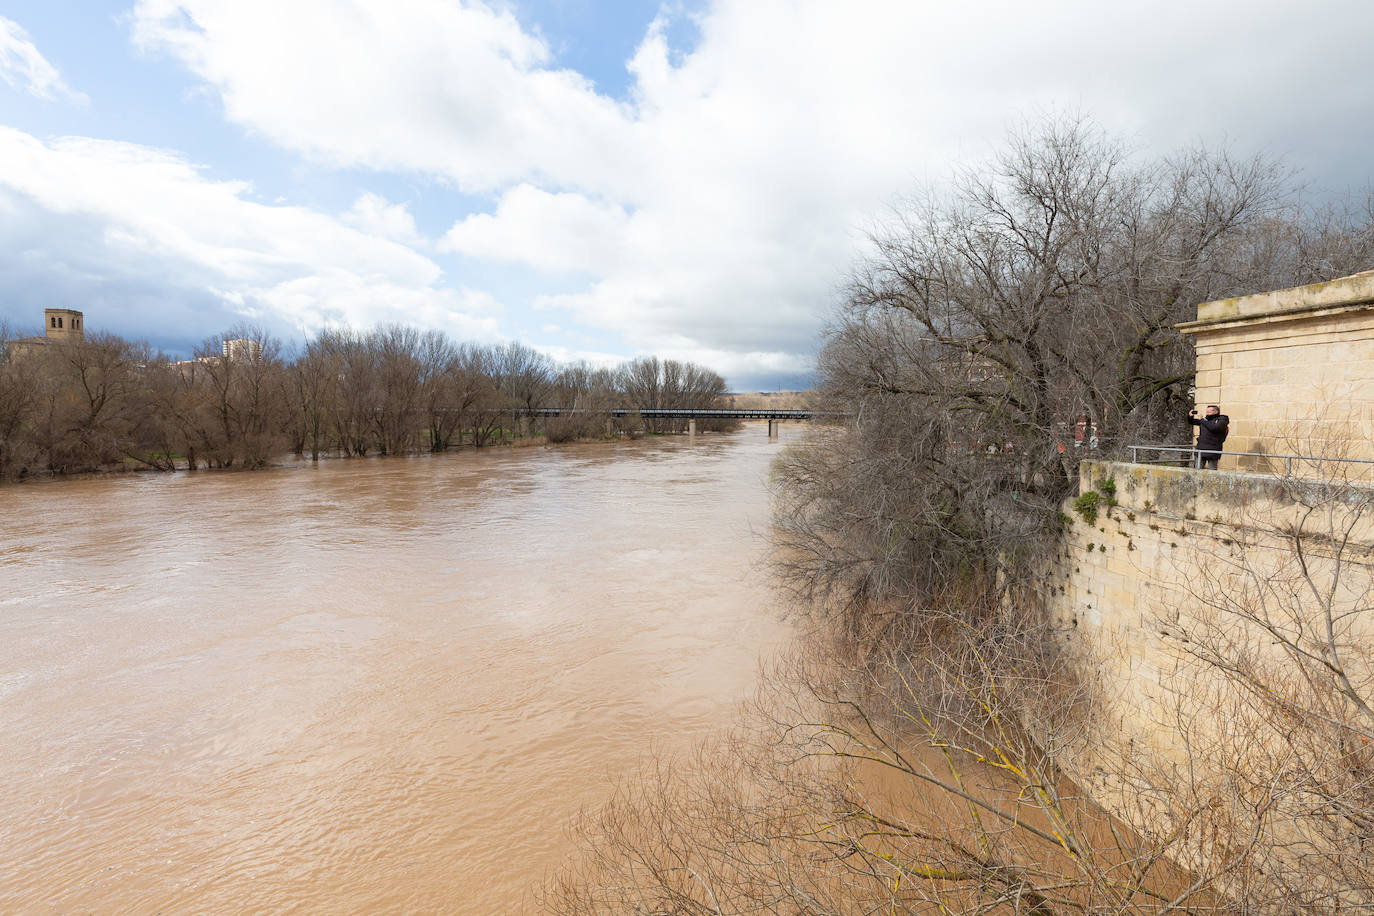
x: 367, y: 686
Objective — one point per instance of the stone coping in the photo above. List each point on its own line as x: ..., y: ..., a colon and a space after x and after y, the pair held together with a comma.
x: 1182, y: 492
x: 1351, y: 293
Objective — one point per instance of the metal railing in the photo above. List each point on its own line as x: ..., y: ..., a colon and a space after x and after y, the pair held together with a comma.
x: 1194, y: 456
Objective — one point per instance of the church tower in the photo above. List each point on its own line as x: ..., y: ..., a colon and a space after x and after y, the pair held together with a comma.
x: 63, y: 325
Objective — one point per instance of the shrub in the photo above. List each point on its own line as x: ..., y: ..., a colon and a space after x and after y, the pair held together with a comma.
x: 1086, y: 505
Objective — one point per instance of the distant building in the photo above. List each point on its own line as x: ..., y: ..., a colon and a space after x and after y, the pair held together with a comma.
x: 232, y: 350
x: 242, y: 349
x: 60, y: 326
x: 63, y: 325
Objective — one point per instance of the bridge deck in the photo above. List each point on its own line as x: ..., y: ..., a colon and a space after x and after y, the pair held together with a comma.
x: 713, y: 413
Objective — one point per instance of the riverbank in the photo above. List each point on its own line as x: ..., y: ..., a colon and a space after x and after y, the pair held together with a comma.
x: 178, y: 463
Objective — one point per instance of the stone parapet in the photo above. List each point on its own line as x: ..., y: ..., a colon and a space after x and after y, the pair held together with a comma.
x: 1269, y: 499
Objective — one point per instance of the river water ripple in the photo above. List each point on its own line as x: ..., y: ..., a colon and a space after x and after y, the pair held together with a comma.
x: 363, y: 687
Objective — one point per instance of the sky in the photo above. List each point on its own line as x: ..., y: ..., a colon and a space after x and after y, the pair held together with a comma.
x: 597, y: 178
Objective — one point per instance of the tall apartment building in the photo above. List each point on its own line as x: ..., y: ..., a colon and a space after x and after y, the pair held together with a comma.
x: 242, y: 349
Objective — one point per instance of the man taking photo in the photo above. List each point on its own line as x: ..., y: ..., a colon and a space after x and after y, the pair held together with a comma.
x: 1211, y: 433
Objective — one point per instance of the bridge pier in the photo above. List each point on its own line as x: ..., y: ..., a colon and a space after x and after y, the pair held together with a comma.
x: 773, y: 428
x: 692, y: 427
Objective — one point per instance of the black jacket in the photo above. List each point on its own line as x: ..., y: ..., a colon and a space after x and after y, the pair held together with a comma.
x: 1211, y: 431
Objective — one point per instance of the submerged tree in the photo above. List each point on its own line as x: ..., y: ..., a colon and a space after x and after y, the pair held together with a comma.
x: 239, y: 401
x: 19, y: 401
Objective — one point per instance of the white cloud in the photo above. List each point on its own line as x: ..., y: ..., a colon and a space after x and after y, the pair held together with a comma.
x: 108, y: 205
x: 25, y: 69
x: 596, y: 358
x: 454, y: 89
x: 552, y: 232
x: 375, y: 215
x: 716, y: 209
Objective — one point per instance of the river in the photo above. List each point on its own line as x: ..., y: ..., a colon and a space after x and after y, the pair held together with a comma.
x: 366, y: 686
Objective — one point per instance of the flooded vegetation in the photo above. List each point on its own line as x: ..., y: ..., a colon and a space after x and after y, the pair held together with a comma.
x: 73, y: 403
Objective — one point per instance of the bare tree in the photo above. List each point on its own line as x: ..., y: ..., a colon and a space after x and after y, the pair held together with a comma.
x: 987, y: 323
x: 313, y: 395
x: 247, y: 401
x: 439, y: 362
x: 642, y: 382
x: 355, y: 389
x: 700, y: 387
x: 1305, y: 244
x: 483, y: 376
x: 90, y: 401
x: 19, y: 401
x: 650, y: 382
x: 156, y: 435
x: 895, y: 776
x: 523, y: 375
x: 587, y: 394
x: 399, y: 388
x: 180, y: 400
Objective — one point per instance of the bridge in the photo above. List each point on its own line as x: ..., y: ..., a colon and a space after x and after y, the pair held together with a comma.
x: 683, y: 413
x: 774, y: 416
x: 692, y: 414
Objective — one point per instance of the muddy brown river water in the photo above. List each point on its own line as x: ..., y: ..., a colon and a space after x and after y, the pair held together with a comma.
x: 376, y: 686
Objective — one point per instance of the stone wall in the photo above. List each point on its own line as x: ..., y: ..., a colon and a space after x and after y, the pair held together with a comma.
x: 1168, y: 575
x: 1223, y: 614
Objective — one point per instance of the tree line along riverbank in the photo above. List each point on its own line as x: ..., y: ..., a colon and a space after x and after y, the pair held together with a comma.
x: 104, y: 403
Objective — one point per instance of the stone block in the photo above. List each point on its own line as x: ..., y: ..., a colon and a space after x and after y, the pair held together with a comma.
x: 1268, y: 376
